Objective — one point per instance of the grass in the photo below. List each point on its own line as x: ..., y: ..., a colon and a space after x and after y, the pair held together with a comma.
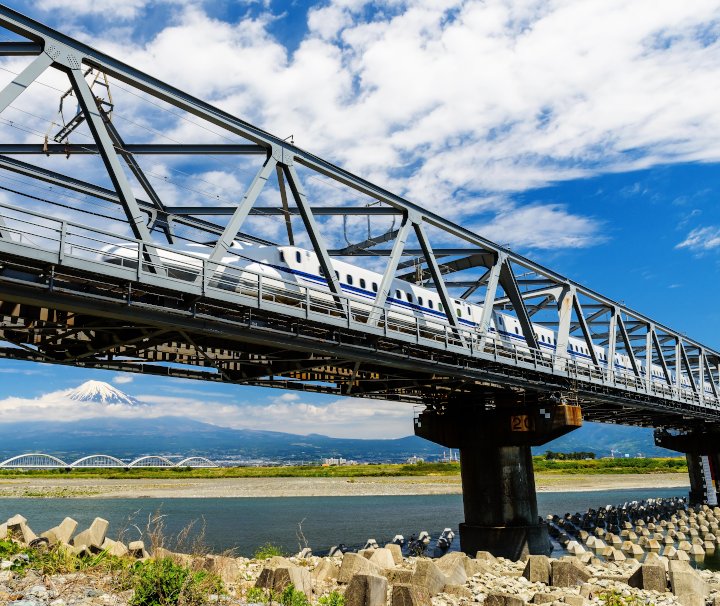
x: 622, y: 465
x: 267, y: 551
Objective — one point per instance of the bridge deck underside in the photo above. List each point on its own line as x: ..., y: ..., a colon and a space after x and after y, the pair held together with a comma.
x: 54, y: 316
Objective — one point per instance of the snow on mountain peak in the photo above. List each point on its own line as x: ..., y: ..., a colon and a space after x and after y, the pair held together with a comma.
x: 100, y: 392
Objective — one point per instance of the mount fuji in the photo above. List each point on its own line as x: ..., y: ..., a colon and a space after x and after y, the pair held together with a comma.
x: 101, y: 393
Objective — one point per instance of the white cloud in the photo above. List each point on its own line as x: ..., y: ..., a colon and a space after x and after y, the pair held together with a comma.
x: 122, y: 379
x: 343, y: 418
x: 702, y: 239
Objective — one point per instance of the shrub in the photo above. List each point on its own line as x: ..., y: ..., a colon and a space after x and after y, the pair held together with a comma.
x: 615, y: 598
x: 165, y: 583
x: 255, y: 595
x: 333, y: 598
x: 268, y: 550
x: 292, y: 597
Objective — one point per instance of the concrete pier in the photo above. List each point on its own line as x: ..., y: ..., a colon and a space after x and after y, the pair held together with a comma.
x: 702, y: 451
x: 494, y: 437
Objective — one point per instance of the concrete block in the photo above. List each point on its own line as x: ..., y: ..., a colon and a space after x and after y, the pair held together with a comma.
x: 687, y: 585
x: 574, y: 600
x: 409, y: 595
x: 650, y: 577
x: 3, y: 531
x: 545, y: 598
x: 352, y: 564
x: 565, y: 573
x: 296, y: 576
x: 366, y: 590
x: 396, y: 552
x: 398, y: 576
x: 114, y: 548
x: 366, y: 553
x: 326, y: 571
x: 137, y: 549
x: 452, y: 565
x: 458, y: 591
x: 503, y: 599
x: 485, y: 556
x: 429, y: 576
x: 537, y: 569
x: 228, y: 569
x: 383, y: 558
x: 18, y: 530
x: 93, y: 536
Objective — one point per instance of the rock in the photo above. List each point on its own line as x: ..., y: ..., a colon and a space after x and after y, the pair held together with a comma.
x: 93, y: 536
x: 458, y: 591
x: 366, y: 590
x: 503, y: 599
x: 544, y: 598
x: 574, y: 600
x: 485, y: 556
x: 367, y: 553
x: 566, y: 573
x: 383, y: 558
x: 3, y: 531
x: 396, y: 552
x: 650, y: 577
x: 277, y: 562
x: 352, y: 564
x: 326, y: 571
x: 305, y: 552
x: 409, y: 595
x: 537, y: 569
x: 452, y: 565
x: 429, y: 576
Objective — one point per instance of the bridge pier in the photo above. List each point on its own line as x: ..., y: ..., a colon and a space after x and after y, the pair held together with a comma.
x: 702, y: 452
x: 494, y: 438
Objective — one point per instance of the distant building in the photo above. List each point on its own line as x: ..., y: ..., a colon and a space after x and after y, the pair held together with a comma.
x: 331, y: 462
x: 413, y: 460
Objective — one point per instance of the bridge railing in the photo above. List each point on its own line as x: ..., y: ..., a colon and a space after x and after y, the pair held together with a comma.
x: 24, y: 232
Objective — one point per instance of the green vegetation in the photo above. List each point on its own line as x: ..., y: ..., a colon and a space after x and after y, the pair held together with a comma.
x: 615, y: 598
x: 290, y: 597
x: 334, y: 598
x: 165, y: 583
x: 611, y: 466
x: 569, y: 456
x: 542, y: 464
x: 266, y: 551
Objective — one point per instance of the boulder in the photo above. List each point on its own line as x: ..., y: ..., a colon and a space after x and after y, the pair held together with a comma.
x: 396, y: 552
x: 409, y: 595
x: 383, y: 558
x: 568, y: 573
x: 429, y: 576
x: 352, y: 564
x: 366, y: 590
x: 650, y: 577
x: 93, y: 536
x: 537, y: 569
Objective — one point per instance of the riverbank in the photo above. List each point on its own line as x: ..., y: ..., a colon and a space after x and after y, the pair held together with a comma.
x: 81, y: 487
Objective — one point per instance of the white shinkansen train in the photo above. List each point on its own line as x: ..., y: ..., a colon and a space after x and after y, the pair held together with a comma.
x: 291, y: 270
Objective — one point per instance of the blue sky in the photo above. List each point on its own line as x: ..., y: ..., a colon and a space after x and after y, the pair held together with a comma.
x: 584, y: 134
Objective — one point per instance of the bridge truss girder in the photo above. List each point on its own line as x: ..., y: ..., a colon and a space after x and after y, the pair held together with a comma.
x: 47, y: 319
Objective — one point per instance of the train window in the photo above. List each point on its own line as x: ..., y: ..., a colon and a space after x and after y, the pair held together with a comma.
x: 409, y: 297
x: 349, y: 279
x: 440, y: 306
x: 337, y: 275
x: 517, y: 330
x: 374, y: 287
x: 431, y: 304
x: 298, y: 256
x: 459, y: 313
x: 420, y: 300
x: 282, y: 256
x: 362, y: 282
x: 398, y: 295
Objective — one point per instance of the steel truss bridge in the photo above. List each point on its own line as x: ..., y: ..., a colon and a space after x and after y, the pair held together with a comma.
x: 38, y: 460
x: 64, y: 299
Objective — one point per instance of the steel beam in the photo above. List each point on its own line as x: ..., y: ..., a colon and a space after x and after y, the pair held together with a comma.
x: 509, y: 285
x: 488, y: 305
x: 23, y: 80
x: 628, y: 346
x: 585, y: 329
x: 369, y: 243
x: 661, y: 356
x: 274, y: 211
x: 156, y: 149
x: 19, y: 49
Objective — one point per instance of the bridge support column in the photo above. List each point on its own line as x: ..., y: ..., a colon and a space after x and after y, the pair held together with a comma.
x: 499, y: 499
x: 702, y: 452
